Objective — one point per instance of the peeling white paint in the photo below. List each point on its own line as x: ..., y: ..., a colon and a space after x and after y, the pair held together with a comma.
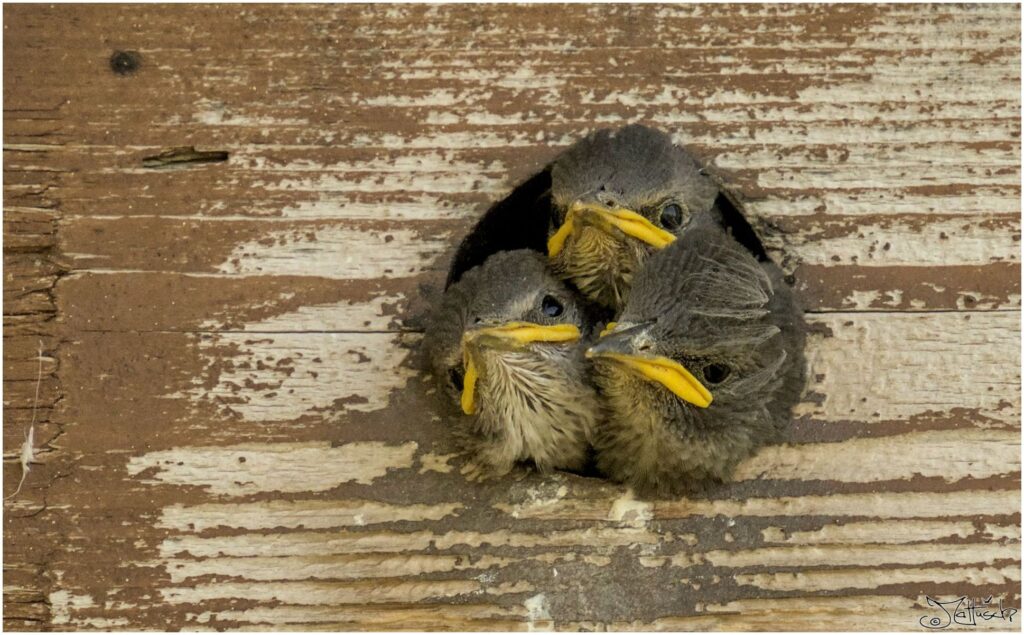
x: 951, y: 455
x: 297, y: 514
x: 905, y: 530
x: 239, y: 470
x: 64, y: 602
x: 340, y: 252
x: 867, y: 578
x: 375, y: 314
x: 898, y: 242
x: 283, y: 376
x: 879, y: 367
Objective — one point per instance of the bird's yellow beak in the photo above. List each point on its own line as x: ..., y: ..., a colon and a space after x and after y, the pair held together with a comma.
x: 608, y: 328
x: 668, y: 373
x: 514, y: 334
x: 627, y: 221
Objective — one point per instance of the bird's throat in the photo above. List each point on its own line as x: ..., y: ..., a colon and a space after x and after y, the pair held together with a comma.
x: 599, y: 265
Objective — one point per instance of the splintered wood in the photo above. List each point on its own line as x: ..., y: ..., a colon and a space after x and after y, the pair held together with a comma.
x: 232, y: 429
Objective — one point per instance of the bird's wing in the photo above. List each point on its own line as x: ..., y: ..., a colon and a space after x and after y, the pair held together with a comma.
x: 519, y: 221
x: 788, y: 314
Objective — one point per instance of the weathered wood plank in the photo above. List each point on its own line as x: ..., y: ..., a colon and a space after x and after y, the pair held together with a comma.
x: 234, y: 432
x: 30, y: 384
x: 856, y: 363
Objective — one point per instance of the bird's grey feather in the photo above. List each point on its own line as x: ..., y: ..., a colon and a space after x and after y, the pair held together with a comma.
x: 637, y: 163
x: 636, y: 168
x: 704, y: 300
x: 535, y: 404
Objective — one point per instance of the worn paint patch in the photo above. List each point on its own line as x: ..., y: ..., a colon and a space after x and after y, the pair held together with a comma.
x: 327, y: 567
x: 879, y: 367
x: 874, y: 532
x: 867, y: 578
x: 63, y: 602
x: 305, y: 543
x: 283, y: 376
x: 950, y: 454
x: 340, y: 252
x: 375, y: 314
x: 861, y: 555
x: 320, y: 593
x: 280, y: 467
x: 299, y: 514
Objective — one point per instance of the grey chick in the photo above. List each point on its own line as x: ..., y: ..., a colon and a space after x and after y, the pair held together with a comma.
x: 702, y: 368
x: 506, y: 344
x: 619, y: 196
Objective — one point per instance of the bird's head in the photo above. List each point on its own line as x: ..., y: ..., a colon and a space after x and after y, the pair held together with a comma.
x: 509, y: 307
x: 619, y: 196
x: 697, y: 349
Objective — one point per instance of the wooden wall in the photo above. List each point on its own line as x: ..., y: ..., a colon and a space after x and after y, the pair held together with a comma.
x: 232, y: 431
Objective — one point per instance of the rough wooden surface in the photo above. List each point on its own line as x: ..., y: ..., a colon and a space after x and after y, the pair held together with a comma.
x: 232, y: 432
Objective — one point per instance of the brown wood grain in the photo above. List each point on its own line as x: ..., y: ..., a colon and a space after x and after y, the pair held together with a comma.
x: 233, y: 430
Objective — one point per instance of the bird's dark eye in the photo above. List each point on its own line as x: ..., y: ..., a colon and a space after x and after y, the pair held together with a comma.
x: 716, y: 373
x: 671, y: 216
x: 455, y: 374
x: 551, y: 306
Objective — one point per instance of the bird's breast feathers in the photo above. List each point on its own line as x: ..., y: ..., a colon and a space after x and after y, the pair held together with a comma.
x: 539, y: 403
x: 600, y: 265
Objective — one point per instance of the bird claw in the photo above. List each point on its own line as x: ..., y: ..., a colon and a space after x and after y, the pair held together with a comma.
x: 475, y: 472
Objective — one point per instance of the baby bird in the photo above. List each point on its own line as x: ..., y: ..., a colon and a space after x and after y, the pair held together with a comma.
x: 617, y: 197
x: 702, y: 368
x: 506, y: 345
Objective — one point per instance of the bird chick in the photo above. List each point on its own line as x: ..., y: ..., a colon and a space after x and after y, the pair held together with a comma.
x: 702, y: 368
x: 506, y: 345
x: 617, y: 197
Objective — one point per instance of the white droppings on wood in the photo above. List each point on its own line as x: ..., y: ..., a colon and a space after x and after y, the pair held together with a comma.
x: 538, y: 615
x: 627, y: 510
x: 244, y: 469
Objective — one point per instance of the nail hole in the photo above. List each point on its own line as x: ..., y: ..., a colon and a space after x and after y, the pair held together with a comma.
x: 125, y: 62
